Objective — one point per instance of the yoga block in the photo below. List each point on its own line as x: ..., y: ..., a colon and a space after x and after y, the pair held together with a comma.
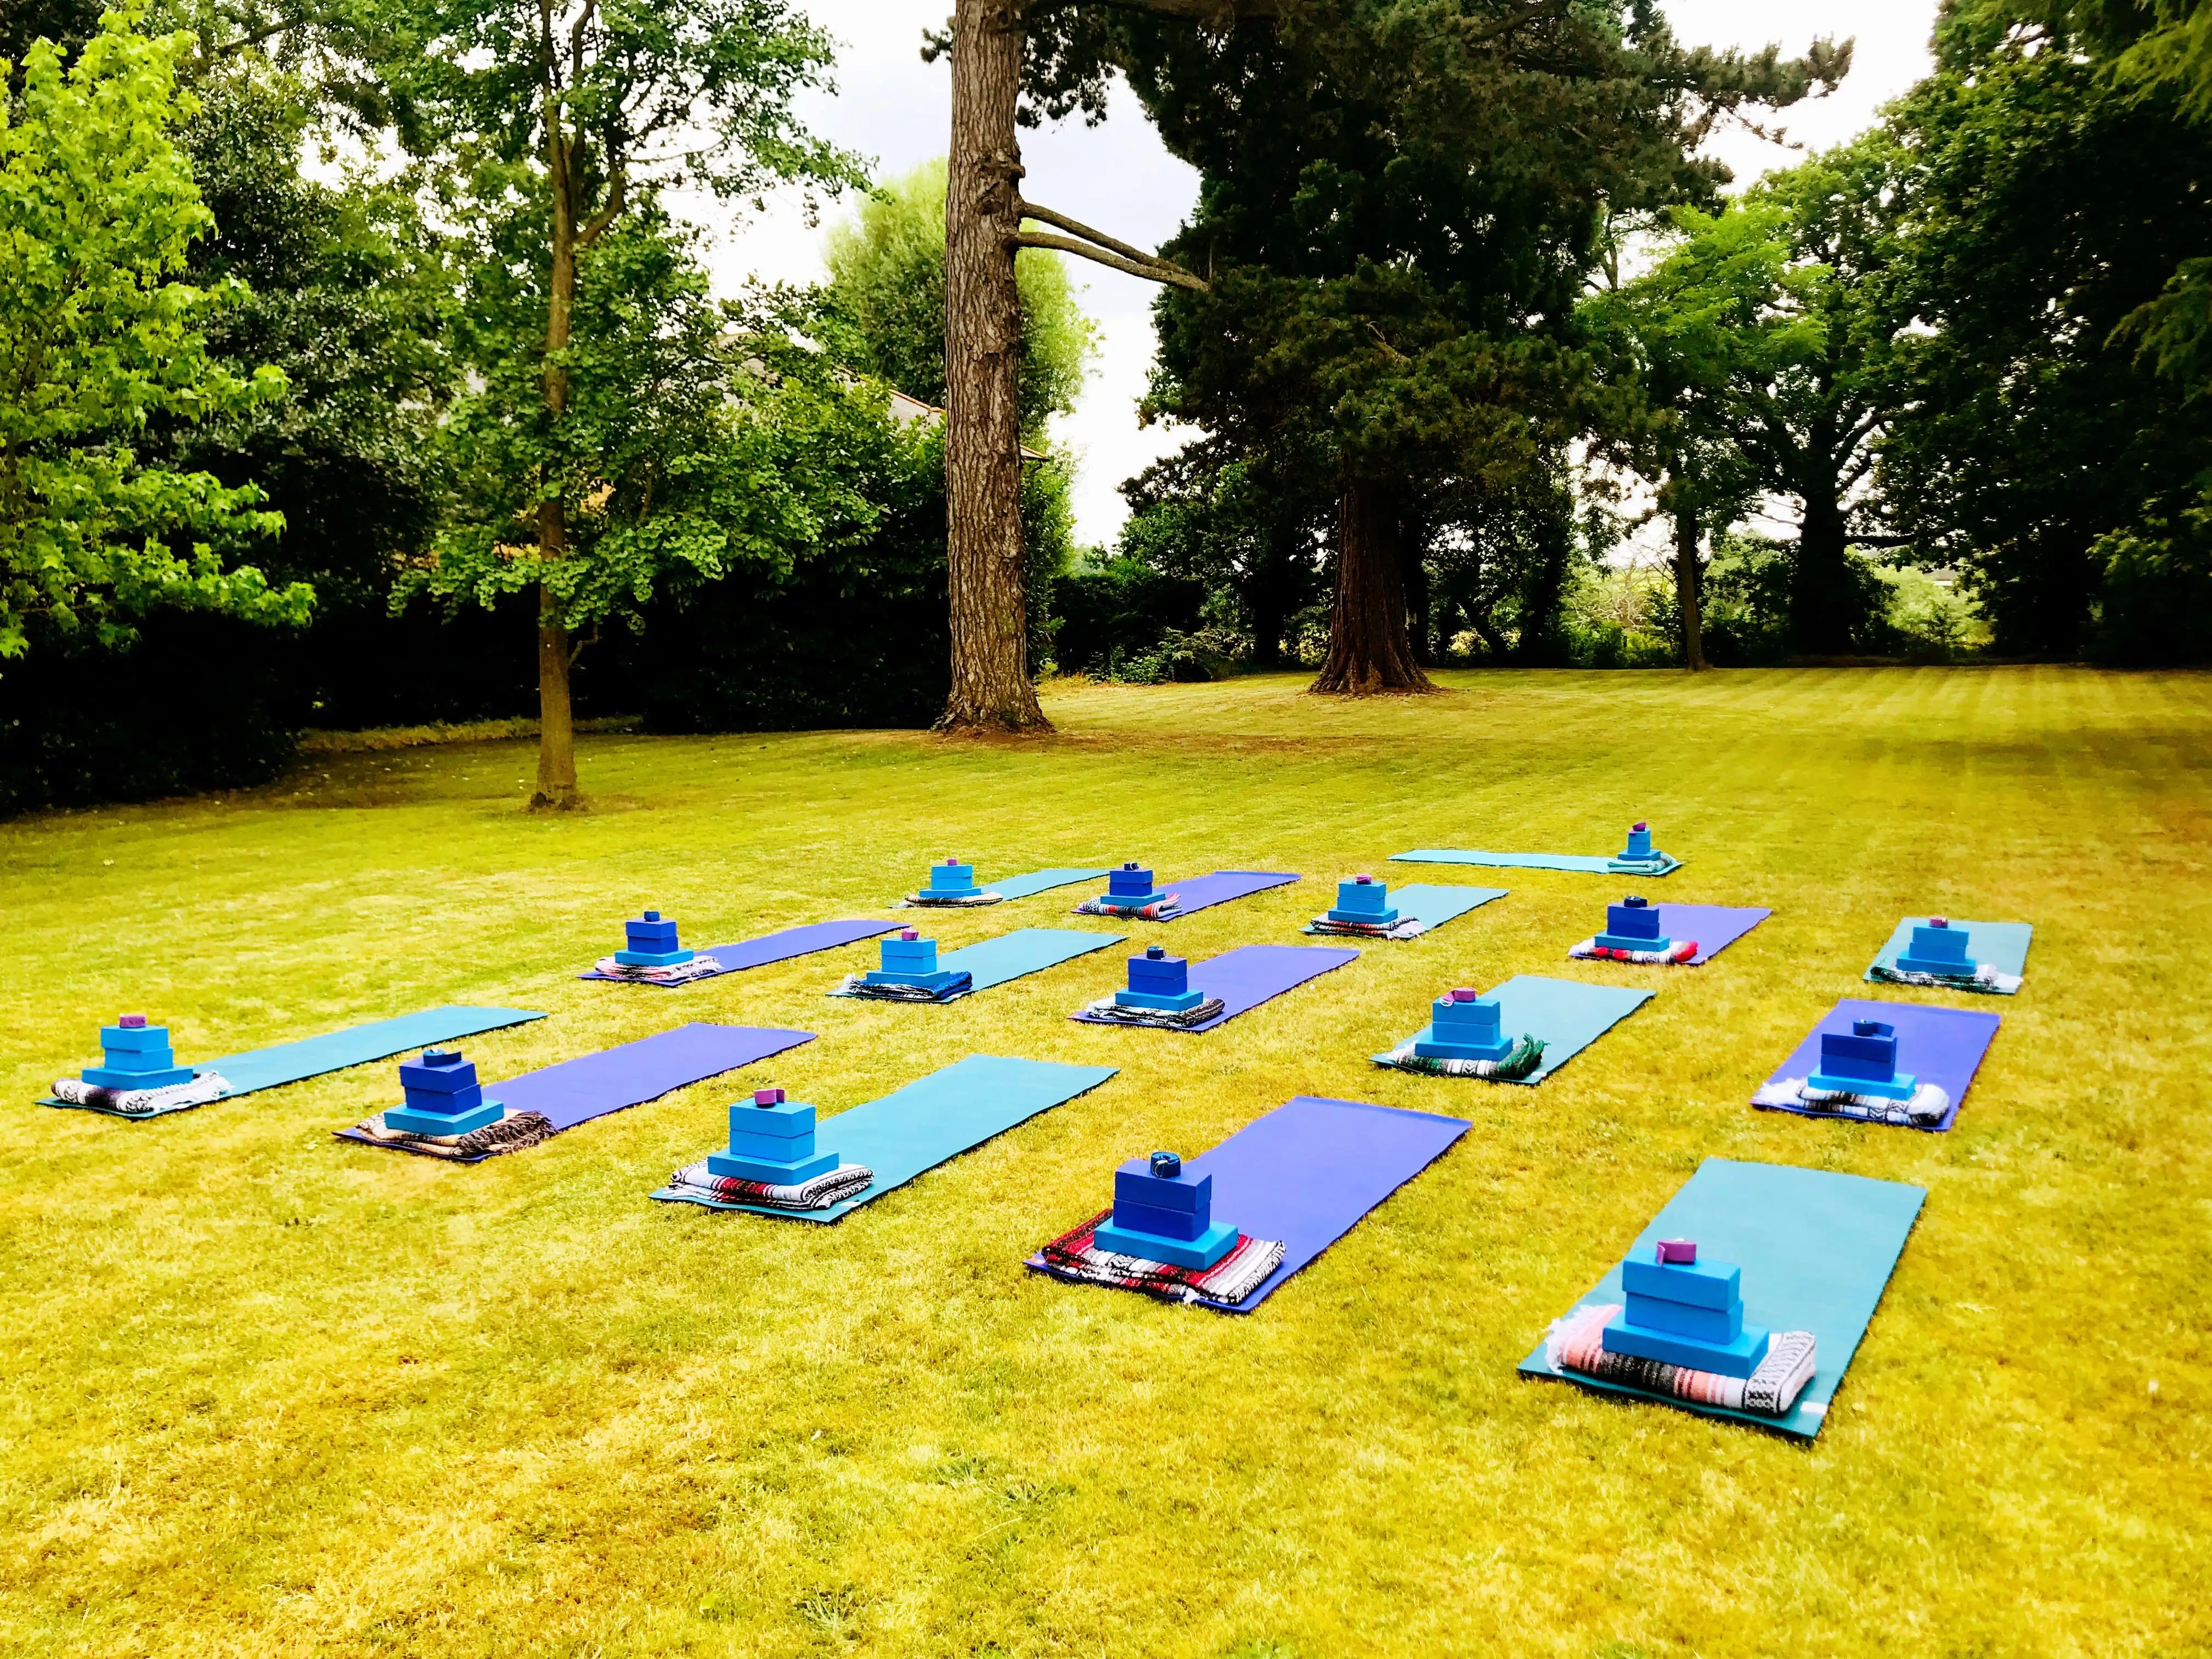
x: 774, y: 1174
x: 447, y: 1103
x: 1464, y: 1026
x: 1185, y: 1225
x: 140, y: 1059
x: 439, y: 1071
x: 909, y: 954
x: 1135, y: 1184
x: 651, y: 935
x: 1159, y: 973
x: 953, y: 879
x: 1638, y: 850
x: 1740, y: 1357
x: 1936, y: 948
x: 1715, y: 1325
x: 1181, y: 1003
x: 653, y: 959
x: 134, y: 1039
x: 1868, y: 1050
x: 935, y: 981
x: 779, y: 1120
x: 1900, y: 1087
x: 1364, y: 899
x: 408, y: 1120
x: 1201, y: 1252
x: 1700, y: 1284
x: 1631, y: 926
x: 108, y: 1077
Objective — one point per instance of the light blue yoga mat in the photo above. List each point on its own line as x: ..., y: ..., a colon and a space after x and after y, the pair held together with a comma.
x: 1012, y: 956
x: 334, y: 1051
x: 1816, y: 1248
x: 1041, y: 881
x: 937, y: 1117
x: 1529, y: 861
x: 2003, y: 945
x: 1430, y: 905
x: 1567, y: 1015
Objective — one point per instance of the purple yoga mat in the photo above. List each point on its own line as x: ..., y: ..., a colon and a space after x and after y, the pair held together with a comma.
x: 1203, y: 892
x: 1310, y: 1169
x: 772, y: 947
x: 1714, y: 927
x: 1248, y: 977
x: 1943, y: 1046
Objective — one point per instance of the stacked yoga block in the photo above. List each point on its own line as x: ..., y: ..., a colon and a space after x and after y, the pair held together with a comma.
x: 443, y: 1097
x: 1464, y: 1025
x: 909, y: 959
x: 1632, y: 925
x: 1862, y: 1063
x: 1938, y: 948
x: 1159, y: 983
x: 135, y: 1055
x: 1640, y: 852
x: 652, y: 944
x: 1162, y: 1214
x: 952, y: 880
x: 1364, y: 899
x: 771, y: 1141
x: 1682, y: 1312
x: 1130, y: 887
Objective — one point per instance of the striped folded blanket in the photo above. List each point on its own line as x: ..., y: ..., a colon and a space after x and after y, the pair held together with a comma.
x: 924, y: 902
x: 1528, y: 1055
x: 696, y: 1181
x: 512, y: 1133
x: 1677, y: 951
x: 1160, y: 909
x: 853, y: 985
x: 698, y: 967
x: 1928, y: 1105
x: 1226, y: 1283
x: 1404, y: 927
x: 142, y: 1103
x: 1577, y: 1343
x: 1106, y: 1009
x: 1987, y: 978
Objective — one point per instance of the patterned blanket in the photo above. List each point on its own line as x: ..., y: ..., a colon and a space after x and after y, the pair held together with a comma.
x: 1159, y: 910
x: 1404, y: 927
x: 1576, y: 1344
x: 142, y: 1103
x: 1528, y: 1055
x: 832, y: 1187
x: 699, y: 967
x: 853, y: 985
x: 1677, y: 951
x: 924, y: 902
x: 1987, y: 978
x: 512, y: 1133
x: 1106, y: 1008
x: 1226, y: 1283
x: 1928, y: 1105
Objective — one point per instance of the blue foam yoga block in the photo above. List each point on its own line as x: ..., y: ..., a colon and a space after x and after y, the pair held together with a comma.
x: 781, y: 1119
x: 1202, y: 1252
x: 409, y: 1121
x: 1135, y: 1184
x: 107, y: 1077
x: 1701, y: 1284
x: 133, y: 1039
x: 1740, y: 1357
x: 1163, y: 975
x: 439, y: 1072
x: 774, y: 1174
x: 1186, y: 1225
x: 140, y: 1059
x: 1722, y: 1325
x: 446, y: 1101
x: 1177, y: 1002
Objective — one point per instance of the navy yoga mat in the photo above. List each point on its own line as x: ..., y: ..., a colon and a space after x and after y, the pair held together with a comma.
x: 577, y: 1091
x: 1942, y: 1046
x: 933, y: 1119
x: 770, y: 947
x: 1012, y: 956
x: 1714, y: 927
x: 1577, y: 861
x: 334, y: 1051
x: 1565, y: 1013
x: 1816, y: 1250
x: 2003, y: 945
x: 1248, y: 977
x: 1309, y: 1171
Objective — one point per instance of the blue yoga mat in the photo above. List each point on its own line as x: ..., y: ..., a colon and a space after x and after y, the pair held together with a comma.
x: 1014, y: 956
x: 1714, y: 926
x: 1307, y: 1172
x: 592, y: 1085
x: 2003, y: 945
x: 1566, y: 1014
x: 1816, y: 1250
x: 1576, y: 861
x: 1246, y: 977
x: 933, y: 1119
x: 770, y: 947
x: 1433, y: 906
x: 1041, y: 881
x: 1942, y: 1046
x: 335, y: 1051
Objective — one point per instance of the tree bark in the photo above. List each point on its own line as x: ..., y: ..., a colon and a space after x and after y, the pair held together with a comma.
x: 1686, y: 589
x: 1368, y: 650
x: 556, y: 788
x: 1824, y: 601
x: 991, y: 689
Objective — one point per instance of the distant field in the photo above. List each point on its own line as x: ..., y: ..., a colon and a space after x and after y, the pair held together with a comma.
x: 267, y: 1393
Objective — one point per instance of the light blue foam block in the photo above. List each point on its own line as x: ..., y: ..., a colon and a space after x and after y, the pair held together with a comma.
x: 935, y: 1118
x: 1011, y: 956
x: 1041, y: 881
x: 2003, y: 945
x: 1817, y: 1249
x: 1575, y: 861
x: 1565, y: 1014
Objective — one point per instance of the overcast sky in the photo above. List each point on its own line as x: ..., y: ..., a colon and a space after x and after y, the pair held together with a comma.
x: 895, y: 109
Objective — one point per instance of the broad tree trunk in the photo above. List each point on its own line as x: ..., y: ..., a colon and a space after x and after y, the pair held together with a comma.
x: 991, y: 688
x: 1368, y: 651
x: 1686, y: 589
x: 556, y: 732
x: 1823, y: 600
x: 556, y: 728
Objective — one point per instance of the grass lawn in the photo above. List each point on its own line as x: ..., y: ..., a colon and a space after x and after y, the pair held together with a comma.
x: 270, y: 1393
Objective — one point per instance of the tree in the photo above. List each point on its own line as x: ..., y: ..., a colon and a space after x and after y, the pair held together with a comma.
x: 98, y: 340
x: 565, y: 117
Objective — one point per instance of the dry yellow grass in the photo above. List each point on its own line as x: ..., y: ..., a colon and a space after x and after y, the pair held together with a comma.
x: 266, y: 1393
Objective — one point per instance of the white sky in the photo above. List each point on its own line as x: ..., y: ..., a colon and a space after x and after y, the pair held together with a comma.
x: 895, y: 109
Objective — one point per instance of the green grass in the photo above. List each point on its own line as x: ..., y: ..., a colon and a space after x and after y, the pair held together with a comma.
x: 268, y: 1394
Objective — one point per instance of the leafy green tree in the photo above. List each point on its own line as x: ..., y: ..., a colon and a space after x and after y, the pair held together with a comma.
x: 98, y: 340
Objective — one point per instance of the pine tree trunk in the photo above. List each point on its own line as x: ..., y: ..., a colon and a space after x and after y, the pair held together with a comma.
x: 991, y: 689
x: 556, y: 727
x: 1823, y: 600
x: 1686, y: 589
x: 556, y: 731
x: 1368, y: 651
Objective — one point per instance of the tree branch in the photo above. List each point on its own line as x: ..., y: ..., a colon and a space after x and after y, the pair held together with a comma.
x: 1152, y: 271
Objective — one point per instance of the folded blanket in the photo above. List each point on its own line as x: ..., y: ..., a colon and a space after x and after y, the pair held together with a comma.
x: 1987, y: 978
x: 1928, y: 1105
x: 139, y: 1103
x: 853, y: 985
x: 1159, y: 910
x: 1226, y: 1283
x: 1106, y: 1008
x: 1680, y: 949
x: 925, y: 902
x: 1528, y: 1055
x: 832, y: 1187
x: 1405, y: 927
x: 1576, y: 1344
x: 512, y: 1133
x: 698, y: 967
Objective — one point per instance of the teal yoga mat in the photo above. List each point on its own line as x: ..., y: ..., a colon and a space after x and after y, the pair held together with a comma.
x: 1577, y: 861
x: 2002, y: 943
x: 1011, y: 956
x: 935, y: 1118
x: 334, y: 1051
x: 1041, y: 881
x: 1567, y: 1014
x: 1817, y: 1249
